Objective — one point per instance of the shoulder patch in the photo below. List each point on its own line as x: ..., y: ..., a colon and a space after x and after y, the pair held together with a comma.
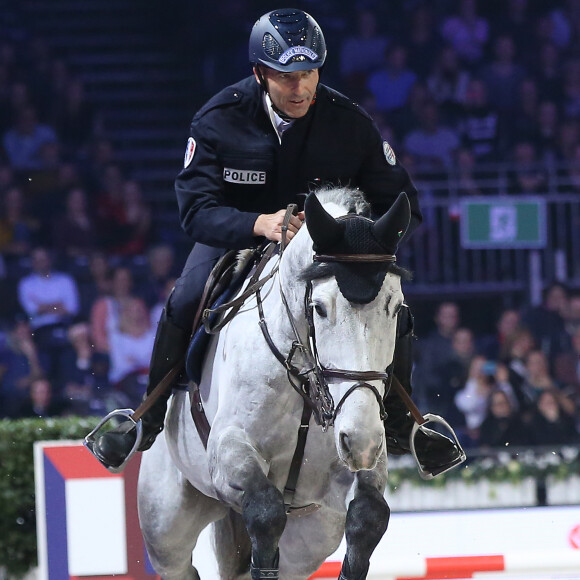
x: 389, y: 153
x: 225, y: 98
x: 189, y: 152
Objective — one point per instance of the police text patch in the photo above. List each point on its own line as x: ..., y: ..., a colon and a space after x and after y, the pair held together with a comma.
x: 244, y: 176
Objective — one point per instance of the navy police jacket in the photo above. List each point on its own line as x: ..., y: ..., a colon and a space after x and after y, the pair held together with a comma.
x: 236, y: 168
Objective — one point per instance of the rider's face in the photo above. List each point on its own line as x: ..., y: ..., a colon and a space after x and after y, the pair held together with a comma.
x: 291, y: 92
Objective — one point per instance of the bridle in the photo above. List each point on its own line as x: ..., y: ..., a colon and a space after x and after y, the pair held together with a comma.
x: 312, y: 380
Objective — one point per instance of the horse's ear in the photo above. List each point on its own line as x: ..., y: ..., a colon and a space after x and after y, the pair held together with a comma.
x: 324, y: 230
x: 390, y: 228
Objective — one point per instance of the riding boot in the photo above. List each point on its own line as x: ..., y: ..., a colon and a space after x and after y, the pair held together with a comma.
x: 435, y: 452
x: 113, y: 447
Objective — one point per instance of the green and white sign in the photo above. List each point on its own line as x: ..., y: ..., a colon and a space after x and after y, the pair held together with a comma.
x: 503, y: 222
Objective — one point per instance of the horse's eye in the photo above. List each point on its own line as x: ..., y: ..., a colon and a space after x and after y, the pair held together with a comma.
x: 320, y: 309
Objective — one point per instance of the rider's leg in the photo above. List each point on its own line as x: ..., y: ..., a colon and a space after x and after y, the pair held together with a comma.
x: 435, y: 451
x: 171, y: 342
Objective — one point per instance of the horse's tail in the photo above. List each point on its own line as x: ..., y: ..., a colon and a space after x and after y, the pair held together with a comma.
x: 232, y: 546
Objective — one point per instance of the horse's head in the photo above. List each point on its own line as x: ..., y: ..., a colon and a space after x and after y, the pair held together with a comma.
x: 353, y: 290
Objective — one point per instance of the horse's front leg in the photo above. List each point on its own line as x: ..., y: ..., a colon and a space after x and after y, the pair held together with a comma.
x: 240, y: 479
x: 367, y: 519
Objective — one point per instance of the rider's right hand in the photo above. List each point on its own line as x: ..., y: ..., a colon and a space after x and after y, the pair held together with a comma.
x: 269, y: 225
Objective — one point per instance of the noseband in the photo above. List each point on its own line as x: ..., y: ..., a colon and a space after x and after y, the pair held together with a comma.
x: 312, y: 381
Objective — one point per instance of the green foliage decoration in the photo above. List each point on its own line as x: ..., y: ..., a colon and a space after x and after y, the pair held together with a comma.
x: 17, y: 509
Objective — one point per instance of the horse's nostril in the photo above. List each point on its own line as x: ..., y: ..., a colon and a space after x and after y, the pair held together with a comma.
x: 344, y: 442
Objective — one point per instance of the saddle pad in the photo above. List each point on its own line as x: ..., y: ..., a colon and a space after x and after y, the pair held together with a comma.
x: 200, y: 340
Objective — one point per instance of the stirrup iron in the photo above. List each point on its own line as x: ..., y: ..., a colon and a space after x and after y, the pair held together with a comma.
x: 126, y: 414
x: 431, y: 418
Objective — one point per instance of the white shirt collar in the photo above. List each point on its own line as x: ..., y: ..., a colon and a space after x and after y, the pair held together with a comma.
x: 277, y: 122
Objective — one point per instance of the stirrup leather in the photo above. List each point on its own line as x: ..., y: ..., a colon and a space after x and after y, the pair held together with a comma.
x: 126, y: 414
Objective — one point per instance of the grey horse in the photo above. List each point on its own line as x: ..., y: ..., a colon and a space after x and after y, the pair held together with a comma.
x: 332, y: 315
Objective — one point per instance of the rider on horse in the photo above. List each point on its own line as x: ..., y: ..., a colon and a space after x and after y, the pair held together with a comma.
x: 254, y: 148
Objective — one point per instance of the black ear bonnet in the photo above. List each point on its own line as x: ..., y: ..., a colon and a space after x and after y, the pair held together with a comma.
x: 358, y: 281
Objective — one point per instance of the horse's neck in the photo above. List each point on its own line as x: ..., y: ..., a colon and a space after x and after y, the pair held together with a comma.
x: 284, y: 298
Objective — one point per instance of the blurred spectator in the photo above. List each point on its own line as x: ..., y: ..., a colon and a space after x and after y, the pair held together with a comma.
x: 51, y: 301
x: 562, y: 17
x: 20, y: 364
x: 16, y: 99
x: 527, y: 175
x: 514, y: 354
x: 95, y: 283
x: 492, y: 346
x: 435, y: 350
x: 538, y: 377
x: 101, y: 155
x: 473, y: 399
x: 515, y: 19
x: 407, y: 118
x: 161, y: 268
x: 17, y: 227
x: 571, y: 314
x: 23, y: 143
x: 546, y: 131
x: 546, y: 321
x: 547, y: 70
x: 422, y: 40
x: 361, y: 53
x: 74, y: 233
x: 522, y: 124
x: 137, y: 220
x: 432, y: 144
x: 550, y: 423
x: 391, y: 84
x: 109, y: 199
x: 7, y: 180
x: 87, y: 374
x: 106, y: 311
x: 502, y: 425
x: 124, y: 218
x: 448, y: 82
x: 466, y: 179
x: 503, y: 76
x: 467, y: 32
x: 453, y: 373
x: 568, y: 139
x: 131, y: 344
x: 479, y: 125
x: 42, y: 401
x: 571, y: 89
x: 567, y: 365
x: 75, y: 118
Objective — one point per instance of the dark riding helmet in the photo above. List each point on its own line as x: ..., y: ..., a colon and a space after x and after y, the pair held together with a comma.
x: 287, y: 40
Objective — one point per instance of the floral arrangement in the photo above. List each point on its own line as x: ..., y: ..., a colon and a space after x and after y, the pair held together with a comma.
x: 500, y: 465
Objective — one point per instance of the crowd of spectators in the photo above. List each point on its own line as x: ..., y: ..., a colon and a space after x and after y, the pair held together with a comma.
x: 452, y: 84
x: 517, y: 386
